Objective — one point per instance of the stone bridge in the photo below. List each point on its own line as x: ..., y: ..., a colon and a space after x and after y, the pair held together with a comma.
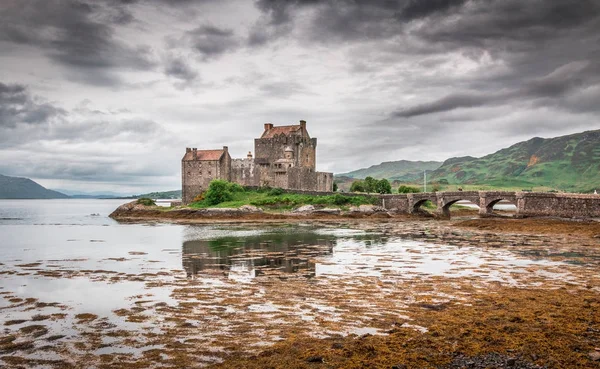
x: 527, y: 203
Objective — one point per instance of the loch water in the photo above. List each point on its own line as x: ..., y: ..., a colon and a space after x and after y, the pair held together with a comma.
x: 67, y: 257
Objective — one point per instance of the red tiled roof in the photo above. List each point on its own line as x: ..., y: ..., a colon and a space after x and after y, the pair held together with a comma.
x: 286, y: 130
x: 204, y: 155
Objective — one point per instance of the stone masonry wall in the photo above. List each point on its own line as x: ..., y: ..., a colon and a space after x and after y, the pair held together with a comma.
x: 196, y: 176
x: 558, y: 204
x: 243, y: 172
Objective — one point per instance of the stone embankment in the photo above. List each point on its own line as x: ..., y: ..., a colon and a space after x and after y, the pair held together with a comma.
x: 136, y: 211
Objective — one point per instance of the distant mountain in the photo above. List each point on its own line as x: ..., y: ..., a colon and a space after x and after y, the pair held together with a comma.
x: 175, y: 194
x: 570, y: 163
x: 402, y: 170
x: 25, y: 188
x: 91, y: 195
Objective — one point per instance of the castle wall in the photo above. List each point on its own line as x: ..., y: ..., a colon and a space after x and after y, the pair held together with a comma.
x: 243, y: 172
x: 305, y: 179
x: 197, y: 175
x: 272, y: 149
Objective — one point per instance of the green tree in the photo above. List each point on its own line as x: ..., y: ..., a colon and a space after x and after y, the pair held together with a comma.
x: 383, y: 186
x: 370, y: 185
x: 407, y: 189
x: 357, y: 186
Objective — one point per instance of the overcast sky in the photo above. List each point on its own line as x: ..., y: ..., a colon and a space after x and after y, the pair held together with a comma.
x: 106, y: 94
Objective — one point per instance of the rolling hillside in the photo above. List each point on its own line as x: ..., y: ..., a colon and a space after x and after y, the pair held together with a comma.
x: 24, y: 188
x: 569, y: 163
x: 402, y: 170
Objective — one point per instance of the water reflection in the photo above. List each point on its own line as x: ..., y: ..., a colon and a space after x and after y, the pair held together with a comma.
x: 275, y: 251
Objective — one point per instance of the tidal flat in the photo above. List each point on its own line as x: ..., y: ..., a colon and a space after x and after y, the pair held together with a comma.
x: 81, y: 290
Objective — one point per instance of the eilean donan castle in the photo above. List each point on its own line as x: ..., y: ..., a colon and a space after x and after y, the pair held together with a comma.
x: 284, y: 157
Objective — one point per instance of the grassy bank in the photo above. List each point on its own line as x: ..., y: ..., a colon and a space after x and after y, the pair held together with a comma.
x: 233, y: 196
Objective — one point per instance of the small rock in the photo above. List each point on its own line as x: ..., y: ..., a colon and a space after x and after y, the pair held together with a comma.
x: 399, y: 366
x: 594, y: 356
x: 510, y: 362
x: 315, y: 359
x: 250, y: 209
x: 328, y: 211
x: 305, y: 209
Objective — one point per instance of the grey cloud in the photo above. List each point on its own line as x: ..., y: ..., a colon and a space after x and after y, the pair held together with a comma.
x: 178, y: 68
x: 417, y: 9
x: 210, y: 41
x: 553, y: 89
x: 17, y: 106
x: 77, y: 35
x: 447, y: 103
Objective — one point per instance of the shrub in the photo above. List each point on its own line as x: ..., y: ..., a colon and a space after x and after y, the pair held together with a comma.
x: 218, y: 191
x: 275, y: 192
x: 408, y: 189
x: 371, y: 185
x: 146, y: 201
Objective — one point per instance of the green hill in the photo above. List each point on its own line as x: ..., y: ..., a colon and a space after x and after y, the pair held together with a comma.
x: 402, y: 170
x: 569, y: 163
x: 175, y: 194
x: 24, y: 188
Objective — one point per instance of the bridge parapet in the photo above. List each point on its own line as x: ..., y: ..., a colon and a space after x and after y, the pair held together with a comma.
x: 527, y: 203
x: 558, y: 204
x: 396, y: 202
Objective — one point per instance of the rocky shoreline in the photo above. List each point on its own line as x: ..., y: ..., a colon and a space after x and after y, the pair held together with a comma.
x: 134, y: 211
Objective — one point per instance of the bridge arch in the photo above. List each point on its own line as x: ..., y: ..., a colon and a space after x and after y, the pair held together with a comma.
x: 447, y: 199
x: 417, y: 200
x: 490, y: 199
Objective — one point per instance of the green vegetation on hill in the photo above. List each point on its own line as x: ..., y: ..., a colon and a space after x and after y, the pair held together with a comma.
x: 371, y: 185
x: 25, y: 188
x: 568, y: 163
x: 223, y: 194
x: 175, y: 194
x: 402, y: 170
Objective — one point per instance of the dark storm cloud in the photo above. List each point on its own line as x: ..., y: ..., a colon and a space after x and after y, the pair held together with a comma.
x: 210, y: 41
x: 17, y: 106
x: 178, y: 68
x: 78, y: 35
x: 553, y: 89
x: 417, y: 9
x: 445, y: 104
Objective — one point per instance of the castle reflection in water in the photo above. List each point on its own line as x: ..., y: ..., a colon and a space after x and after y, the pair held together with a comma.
x: 276, y: 251
x: 250, y: 256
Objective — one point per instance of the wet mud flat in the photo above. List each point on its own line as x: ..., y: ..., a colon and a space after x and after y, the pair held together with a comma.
x: 404, y: 294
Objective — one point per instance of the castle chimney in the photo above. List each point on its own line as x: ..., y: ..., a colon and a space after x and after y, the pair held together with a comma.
x: 225, y: 148
x: 249, y: 155
x: 195, y: 153
x: 268, y: 126
x: 303, y: 124
x: 187, y: 149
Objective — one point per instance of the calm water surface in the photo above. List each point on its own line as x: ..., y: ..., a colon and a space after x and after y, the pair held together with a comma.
x: 71, y: 256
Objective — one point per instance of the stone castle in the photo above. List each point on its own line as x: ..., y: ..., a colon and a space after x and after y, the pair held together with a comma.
x: 285, y: 157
